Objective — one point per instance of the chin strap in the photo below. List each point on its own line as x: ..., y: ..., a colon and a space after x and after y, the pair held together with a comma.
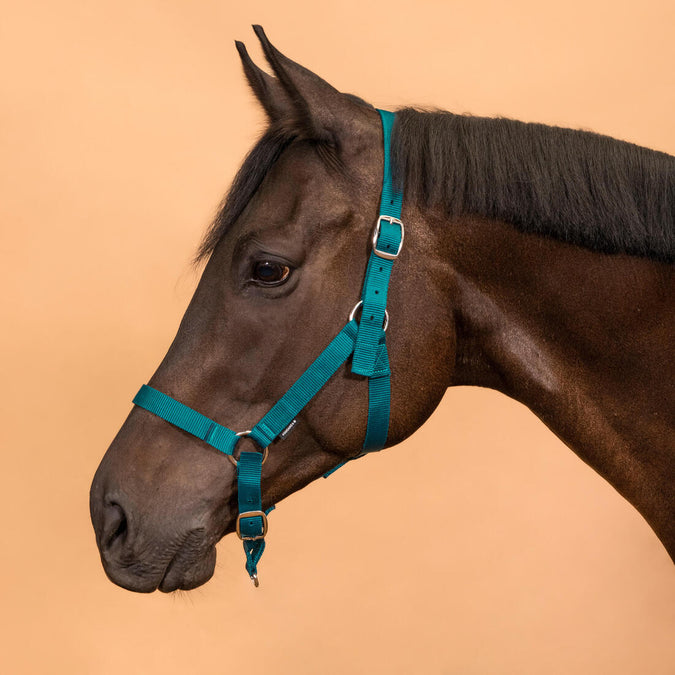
x: 252, y: 520
x: 365, y: 340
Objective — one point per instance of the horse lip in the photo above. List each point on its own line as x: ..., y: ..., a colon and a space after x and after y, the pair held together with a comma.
x: 191, y: 565
x: 129, y: 580
x: 186, y: 572
x: 185, y: 566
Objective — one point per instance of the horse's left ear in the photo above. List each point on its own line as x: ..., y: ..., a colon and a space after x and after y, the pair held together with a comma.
x: 320, y: 111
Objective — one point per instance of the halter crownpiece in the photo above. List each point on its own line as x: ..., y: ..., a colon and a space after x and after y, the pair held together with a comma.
x: 364, y: 339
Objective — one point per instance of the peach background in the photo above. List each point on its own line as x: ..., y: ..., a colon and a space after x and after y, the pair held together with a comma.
x: 496, y: 550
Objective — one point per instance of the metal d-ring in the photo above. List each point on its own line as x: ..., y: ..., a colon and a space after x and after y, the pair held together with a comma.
x: 352, y: 314
x: 241, y: 434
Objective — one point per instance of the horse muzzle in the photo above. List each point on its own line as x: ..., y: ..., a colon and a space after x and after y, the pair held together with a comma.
x: 141, y: 562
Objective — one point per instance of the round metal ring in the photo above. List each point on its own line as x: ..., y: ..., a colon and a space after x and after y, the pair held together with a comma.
x: 352, y: 314
x: 241, y: 434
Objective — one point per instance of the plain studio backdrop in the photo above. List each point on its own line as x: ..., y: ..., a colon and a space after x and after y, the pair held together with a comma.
x: 488, y: 546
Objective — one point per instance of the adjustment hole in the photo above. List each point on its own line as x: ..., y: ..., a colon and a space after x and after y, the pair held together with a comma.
x: 377, y: 292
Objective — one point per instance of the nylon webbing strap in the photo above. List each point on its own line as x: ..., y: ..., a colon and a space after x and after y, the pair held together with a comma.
x: 305, y: 387
x: 251, y: 522
x: 379, y: 395
x: 387, y: 241
x: 391, y: 200
x: 187, y: 419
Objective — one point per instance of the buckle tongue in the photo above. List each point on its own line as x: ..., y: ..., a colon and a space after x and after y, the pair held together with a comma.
x: 387, y: 255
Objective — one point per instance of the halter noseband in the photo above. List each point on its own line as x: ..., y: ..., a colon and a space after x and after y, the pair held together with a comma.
x: 364, y: 339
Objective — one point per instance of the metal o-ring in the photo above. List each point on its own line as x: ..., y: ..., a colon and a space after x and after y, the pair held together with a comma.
x: 241, y: 434
x: 352, y: 314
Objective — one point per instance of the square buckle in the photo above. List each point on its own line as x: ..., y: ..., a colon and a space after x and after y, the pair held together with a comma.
x: 376, y: 234
x: 251, y: 514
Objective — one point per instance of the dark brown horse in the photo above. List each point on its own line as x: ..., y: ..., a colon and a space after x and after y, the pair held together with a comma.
x: 537, y: 262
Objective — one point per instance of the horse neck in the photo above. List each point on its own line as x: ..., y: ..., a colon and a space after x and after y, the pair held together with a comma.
x: 582, y: 339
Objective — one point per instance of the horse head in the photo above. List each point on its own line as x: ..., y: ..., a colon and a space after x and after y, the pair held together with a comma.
x: 286, y: 258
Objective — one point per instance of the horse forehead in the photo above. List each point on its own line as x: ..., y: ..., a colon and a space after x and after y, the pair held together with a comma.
x: 300, y: 186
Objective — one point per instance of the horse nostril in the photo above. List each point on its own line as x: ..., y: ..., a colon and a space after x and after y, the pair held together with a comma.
x: 114, y: 525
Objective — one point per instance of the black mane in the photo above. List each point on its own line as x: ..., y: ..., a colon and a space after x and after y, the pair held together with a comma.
x: 580, y: 187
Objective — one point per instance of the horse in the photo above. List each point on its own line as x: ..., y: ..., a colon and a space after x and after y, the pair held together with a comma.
x: 537, y: 261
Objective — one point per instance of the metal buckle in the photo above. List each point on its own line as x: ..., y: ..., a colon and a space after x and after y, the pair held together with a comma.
x: 251, y: 514
x: 385, y: 254
x: 241, y: 434
x: 352, y: 314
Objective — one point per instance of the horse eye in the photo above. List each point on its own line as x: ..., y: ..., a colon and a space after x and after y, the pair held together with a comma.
x: 270, y: 273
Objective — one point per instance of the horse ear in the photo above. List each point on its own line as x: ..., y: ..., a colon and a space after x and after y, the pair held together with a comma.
x: 268, y: 89
x: 319, y: 110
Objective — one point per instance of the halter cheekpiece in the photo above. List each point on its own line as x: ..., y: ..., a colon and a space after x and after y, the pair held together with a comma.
x: 365, y: 340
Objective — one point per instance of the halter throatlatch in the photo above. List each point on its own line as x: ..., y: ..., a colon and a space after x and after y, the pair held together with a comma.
x: 364, y: 339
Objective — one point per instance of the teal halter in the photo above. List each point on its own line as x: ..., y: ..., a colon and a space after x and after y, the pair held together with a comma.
x: 364, y: 339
